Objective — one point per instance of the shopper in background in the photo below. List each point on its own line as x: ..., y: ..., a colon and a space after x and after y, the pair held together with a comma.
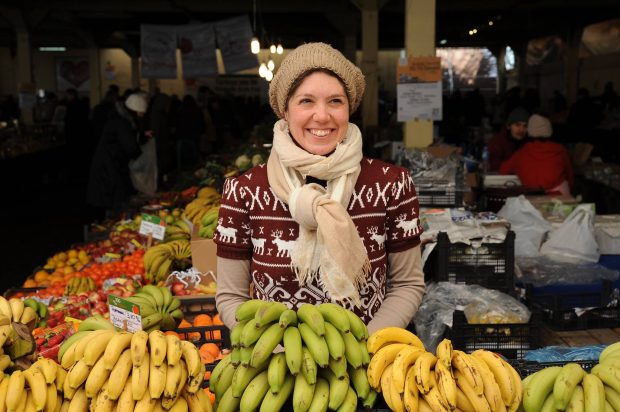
x: 109, y: 184
x: 508, y: 140
x: 541, y: 163
x: 320, y: 222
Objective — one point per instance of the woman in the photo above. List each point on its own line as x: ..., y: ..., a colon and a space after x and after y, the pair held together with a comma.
x: 541, y: 163
x: 109, y: 184
x: 320, y: 222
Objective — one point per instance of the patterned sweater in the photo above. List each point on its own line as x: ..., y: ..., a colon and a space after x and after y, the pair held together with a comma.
x: 257, y: 226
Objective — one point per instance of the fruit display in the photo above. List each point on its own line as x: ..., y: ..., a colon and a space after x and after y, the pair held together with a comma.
x: 322, y: 365
x: 72, y: 257
x: 158, y: 308
x: 570, y: 388
x: 177, y: 229
x: 122, y: 371
x: 164, y: 258
x: 48, y: 340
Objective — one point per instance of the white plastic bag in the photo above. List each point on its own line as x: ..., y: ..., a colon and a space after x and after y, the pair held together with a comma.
x: 528, y: 224
x: 143, y: 170
x: 574, y: 240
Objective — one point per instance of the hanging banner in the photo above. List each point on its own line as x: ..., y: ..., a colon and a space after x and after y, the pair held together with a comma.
x: 158, y: 46
x: 233, y: 38
x: 197, y: 44
x: 419, y: 89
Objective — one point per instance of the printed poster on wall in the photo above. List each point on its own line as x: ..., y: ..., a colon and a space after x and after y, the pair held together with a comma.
x: 158, y: 46
x: 197, y: 44
x: 72, y: 73
x: 233, y: 38
x: 418, y: 89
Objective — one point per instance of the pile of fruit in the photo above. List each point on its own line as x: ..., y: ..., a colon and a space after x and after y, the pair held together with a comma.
x: 110, y: 370
x: 206, y: 199
x: 322, y: 364
x: 570, y: 388
x: 81, y: 284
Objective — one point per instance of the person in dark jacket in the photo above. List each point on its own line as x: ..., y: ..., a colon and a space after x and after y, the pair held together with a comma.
x: 109, y: 185
x: 509, y: 139
x: 190, y: 126
x: 541, y: 163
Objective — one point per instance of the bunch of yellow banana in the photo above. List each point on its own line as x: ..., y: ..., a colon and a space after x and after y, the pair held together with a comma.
x: 14, y: 310
x: 323, y: 364
x: 160, y: 260
x: 37, y: 388
x: 122, y: 371
x: 570, y: 388
x: 197, y: 208
x: 412, y: 379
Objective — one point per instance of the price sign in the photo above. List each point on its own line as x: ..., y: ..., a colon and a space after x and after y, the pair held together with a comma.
x: 153, y: 225
x: 124, y: 314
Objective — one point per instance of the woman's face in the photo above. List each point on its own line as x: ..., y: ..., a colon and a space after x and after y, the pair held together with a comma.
x: 318, y: 113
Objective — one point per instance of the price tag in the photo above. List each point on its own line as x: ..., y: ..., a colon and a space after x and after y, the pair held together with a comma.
x: 124, y: 314
x: 153, y: 225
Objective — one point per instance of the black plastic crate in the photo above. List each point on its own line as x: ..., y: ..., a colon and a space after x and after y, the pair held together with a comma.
x: 512, y: 340
x: 449, y: 197
x: 526, y: 368
x: 490, y: 265
x: 196, y: 305
x: 218, y: 334
x: 566, y: 311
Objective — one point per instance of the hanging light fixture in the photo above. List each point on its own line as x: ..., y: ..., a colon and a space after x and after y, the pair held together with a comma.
x: 254, y: 44
x: 271, y: 65
x: 262, y: 70
x: 269, y: 76
x: 279, y: 49
x: 272, y: 49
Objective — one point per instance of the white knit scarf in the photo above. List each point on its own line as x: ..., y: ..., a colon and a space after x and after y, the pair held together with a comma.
x: 328, y: 242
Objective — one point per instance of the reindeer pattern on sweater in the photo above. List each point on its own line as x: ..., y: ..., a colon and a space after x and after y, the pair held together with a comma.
x: 254, y: 224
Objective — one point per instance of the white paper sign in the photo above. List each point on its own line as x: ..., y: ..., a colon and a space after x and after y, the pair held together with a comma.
x: 152, y: 225
x: 419, y: 101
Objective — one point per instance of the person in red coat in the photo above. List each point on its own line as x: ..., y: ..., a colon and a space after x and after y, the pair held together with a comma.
x: 509, y: 139
x: 541, y: 163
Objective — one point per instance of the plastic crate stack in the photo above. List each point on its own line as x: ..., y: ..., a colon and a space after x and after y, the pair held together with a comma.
x: 576, y: 307
x: 490, y: 265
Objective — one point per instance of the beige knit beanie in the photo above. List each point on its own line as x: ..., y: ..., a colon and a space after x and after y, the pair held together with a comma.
x: 315, y: 56
x: 539, y: 126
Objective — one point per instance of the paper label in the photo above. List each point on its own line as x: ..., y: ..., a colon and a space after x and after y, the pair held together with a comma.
x: 153, y: 225
x: 124, y: 314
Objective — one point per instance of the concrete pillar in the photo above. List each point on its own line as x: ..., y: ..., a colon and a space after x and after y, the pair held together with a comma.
x: 24, y: 69
x: 370, y: 49
x: 419, y: 41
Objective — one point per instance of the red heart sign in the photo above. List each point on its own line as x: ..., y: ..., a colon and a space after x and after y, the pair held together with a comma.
x: 75, y: 73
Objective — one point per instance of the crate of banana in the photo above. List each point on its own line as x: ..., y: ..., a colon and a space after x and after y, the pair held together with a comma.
x: 571, y: 388
x: 106, y: 370
x: 322, y: 363
x: 160, y: 260
x: 413, y: 379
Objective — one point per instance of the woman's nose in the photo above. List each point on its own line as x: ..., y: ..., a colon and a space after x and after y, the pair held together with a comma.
x: 321, y: 114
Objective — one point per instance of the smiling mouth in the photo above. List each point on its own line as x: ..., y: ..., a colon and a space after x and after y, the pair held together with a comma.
x: 320, y: 132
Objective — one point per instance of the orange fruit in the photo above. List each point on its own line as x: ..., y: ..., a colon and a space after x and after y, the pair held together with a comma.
x: 41, y: 276
x: 217, y: 334
x: 173, y: 333
x: 217, y: 320
x: 206, y: 357
x: 207, y: 375
x: 30, y: 283
x: 212, y: 348
x: 191, y: 335
x: 203, y: 320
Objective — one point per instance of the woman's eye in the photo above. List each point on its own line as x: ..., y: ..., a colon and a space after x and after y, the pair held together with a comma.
x: 305, y: 101
x: 337, y: 101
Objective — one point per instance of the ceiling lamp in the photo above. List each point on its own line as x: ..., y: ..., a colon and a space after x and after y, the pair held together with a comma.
x: 271, y: 65
x: 279, y: 49
x: 263, y: 70
x: 255, y: 45
x: 269, y: 76
x: 272, y: 49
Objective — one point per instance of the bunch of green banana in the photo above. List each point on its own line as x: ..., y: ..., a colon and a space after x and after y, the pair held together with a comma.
x: 412, y: 379
x: 160, y: 260
x: 208, y: 223
x: 40, y: 308
x: 75, y: 286
x: 570, y: 388
x: 323, y: 364
x: 177, y: 230
x: 158, y: 308
x: 123, y: 371
x: 15, y: 310
x: 197, y: 208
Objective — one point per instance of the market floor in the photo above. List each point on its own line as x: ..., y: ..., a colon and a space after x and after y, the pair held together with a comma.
x: 43, y: 211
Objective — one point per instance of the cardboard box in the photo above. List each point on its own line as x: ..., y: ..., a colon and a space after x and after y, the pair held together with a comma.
x: 204, y: 253
x: 607, y: 234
